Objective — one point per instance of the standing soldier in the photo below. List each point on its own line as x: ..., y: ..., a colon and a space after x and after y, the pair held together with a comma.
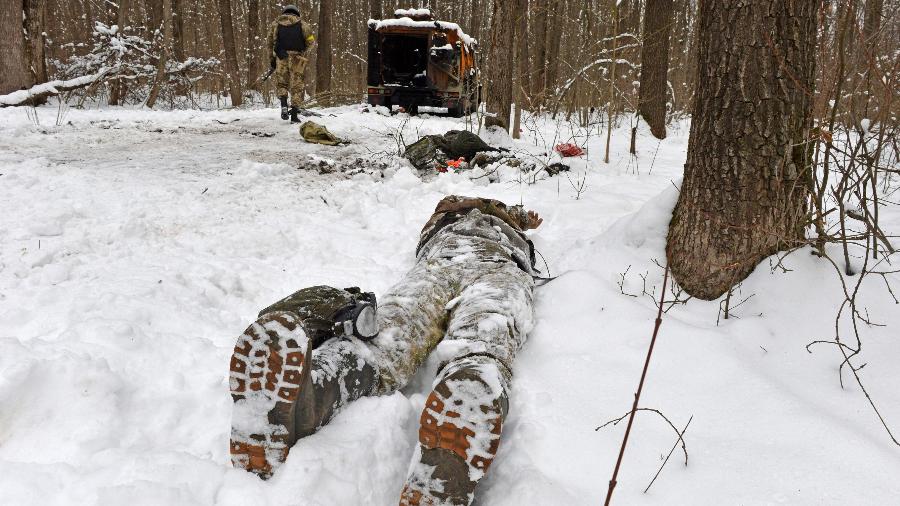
x: 289, y: 38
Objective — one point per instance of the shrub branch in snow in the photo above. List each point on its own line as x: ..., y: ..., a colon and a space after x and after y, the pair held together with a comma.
x: 119, y: 55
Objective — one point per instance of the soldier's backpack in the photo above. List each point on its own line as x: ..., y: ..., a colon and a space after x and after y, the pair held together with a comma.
x: 289, y: 38
x: 329, y: 312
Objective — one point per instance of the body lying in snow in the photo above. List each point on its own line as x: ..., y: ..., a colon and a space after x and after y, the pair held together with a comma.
x: 469, y: 298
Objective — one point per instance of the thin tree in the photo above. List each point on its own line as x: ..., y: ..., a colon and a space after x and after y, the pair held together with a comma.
x: 166, y: 6
x: 500, y: 71
x: 323, y: 49
x: 231, y: 62
x: 655, y: 65
x: 35, y: 12
x: 13, y: 63
x: 747, y: 174
x: 254, y: 55
x: 522, y: 68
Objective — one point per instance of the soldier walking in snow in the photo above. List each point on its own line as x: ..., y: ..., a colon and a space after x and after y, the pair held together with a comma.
x: 289, y: 38
x: 469, y: 298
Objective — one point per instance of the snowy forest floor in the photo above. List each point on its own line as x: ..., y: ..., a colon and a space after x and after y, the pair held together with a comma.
x: 136, y: 245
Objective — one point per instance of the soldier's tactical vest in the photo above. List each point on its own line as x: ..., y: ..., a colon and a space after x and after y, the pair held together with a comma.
x: 331, y: 312
x: 289, y: 38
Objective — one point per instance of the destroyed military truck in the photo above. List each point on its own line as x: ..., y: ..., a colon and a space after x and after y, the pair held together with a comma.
x: 416, y: 61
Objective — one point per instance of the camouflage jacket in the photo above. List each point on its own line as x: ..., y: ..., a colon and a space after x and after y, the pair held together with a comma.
x: 514, y: 221
x: 287, y: 20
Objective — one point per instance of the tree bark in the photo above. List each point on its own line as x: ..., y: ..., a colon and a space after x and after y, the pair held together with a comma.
x: 117, y: 88
x: 35, y: 11
x: 541, y: 15
x: 500, y: 70
x: 254, y: 54
x: 158, y: 82
x: 231, y: 62
x: 655, y: 65
x: 14, y: 73
x: 323, y: 48
x: 747, y: 176
x: 554, y: 39
x: 521, y: 64
x: 376, y: 9
x: 178, y: 29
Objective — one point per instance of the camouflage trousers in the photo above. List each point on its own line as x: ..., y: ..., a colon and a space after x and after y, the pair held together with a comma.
x: 289, y: 77
x: 461, y: 311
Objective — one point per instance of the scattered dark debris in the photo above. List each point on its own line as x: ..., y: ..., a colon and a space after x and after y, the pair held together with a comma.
x: 257, y: 134
x: 204, y: 190
x: 555, y: 168
x: 227, y: 122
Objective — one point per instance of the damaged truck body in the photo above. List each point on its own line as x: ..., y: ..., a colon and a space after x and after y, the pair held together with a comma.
x: 416, y: 61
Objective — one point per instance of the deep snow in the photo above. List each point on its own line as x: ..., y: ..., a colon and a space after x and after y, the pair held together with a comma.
x: 136, y: 245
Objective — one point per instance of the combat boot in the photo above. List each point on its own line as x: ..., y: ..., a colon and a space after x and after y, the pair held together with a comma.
x: 294, y: 112
x: 459, y: 435
x: 282, y: 390
x: 284, y: 107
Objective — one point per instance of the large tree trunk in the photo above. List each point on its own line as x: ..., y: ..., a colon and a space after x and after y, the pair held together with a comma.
x: 323, y: 49
x: 747, y: 175
x: 655, y: 65
x: 500, y: 70
x: 14, y: 73
x: 231, y: 62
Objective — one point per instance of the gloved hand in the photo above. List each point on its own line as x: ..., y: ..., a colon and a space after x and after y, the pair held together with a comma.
x: 272, y: 63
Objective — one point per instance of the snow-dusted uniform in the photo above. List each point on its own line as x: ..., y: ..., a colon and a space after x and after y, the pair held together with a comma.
x: 470, y: 295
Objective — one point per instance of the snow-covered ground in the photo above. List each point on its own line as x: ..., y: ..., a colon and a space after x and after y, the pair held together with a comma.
x: 136, y: 245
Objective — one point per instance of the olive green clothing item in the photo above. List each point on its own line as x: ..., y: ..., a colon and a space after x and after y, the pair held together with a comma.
x: 289, y: 77
x: 318, y: 134
x: 514, y: 220
x: 289, y: 70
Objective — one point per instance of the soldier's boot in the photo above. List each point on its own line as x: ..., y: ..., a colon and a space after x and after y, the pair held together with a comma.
x: 275, y: 398
x: 459, y: 435
x: 294, y: 112
x: 284, y: 107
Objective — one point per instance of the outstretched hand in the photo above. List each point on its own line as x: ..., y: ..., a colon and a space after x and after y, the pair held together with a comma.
x: 534, y: 221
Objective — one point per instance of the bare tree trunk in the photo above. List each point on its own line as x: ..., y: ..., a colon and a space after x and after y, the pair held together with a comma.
x: 500, y: 72
x: 747, y: 176
x: 522, y: 65
x: 163, y: 53
x: 541, y: 25
x: 254, y: 55
x: 871, y: 27
x: 324, y: 49
x: 35, y: 12
x: 376, y: 9
x: 117, y: 88
x: 178, y: 29
x: 557, y: 7
x: 14, y: 73
x: 231, y: 62
x: 655, y: 65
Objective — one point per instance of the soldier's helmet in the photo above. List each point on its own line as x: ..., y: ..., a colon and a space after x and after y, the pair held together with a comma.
x: 291, y: 9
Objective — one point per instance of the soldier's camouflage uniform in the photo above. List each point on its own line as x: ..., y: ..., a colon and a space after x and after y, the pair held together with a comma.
x: 469, y: 299
x: 289, y: 70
